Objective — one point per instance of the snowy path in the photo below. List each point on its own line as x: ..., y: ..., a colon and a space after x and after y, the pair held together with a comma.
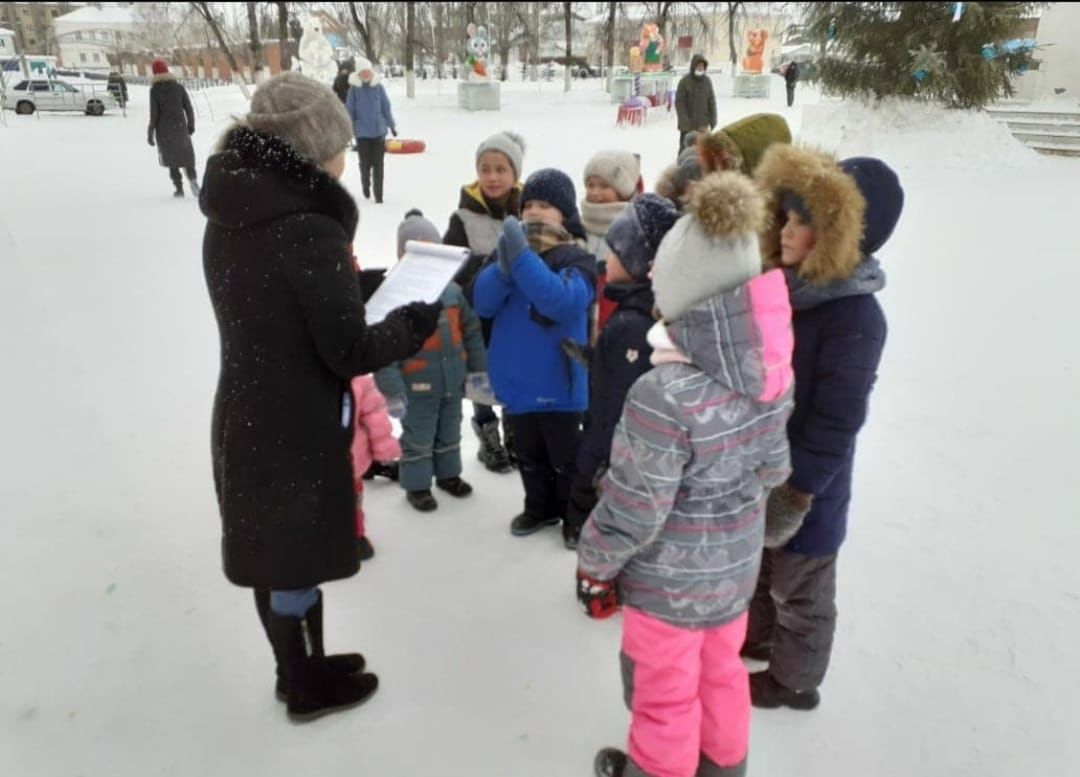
x: 124, y: 652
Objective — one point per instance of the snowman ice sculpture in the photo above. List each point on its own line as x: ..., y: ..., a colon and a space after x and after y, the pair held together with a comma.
x: 316, y: 54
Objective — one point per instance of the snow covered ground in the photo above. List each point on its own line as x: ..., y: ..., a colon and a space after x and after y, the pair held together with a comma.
x: 125, y: 653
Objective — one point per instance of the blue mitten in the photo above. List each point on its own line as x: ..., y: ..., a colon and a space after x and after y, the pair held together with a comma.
x: 512, y: 243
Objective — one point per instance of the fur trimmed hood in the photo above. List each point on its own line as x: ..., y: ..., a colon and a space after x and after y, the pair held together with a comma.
x: 837, y: 210
x: 363, y: 64
x: 162, y: 78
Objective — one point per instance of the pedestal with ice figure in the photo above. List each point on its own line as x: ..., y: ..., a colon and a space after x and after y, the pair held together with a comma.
x: 477, y: 92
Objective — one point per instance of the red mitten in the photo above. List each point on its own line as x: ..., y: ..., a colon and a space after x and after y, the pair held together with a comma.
x: 597, y: 597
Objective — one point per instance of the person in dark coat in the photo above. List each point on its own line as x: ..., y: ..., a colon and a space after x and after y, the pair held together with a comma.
x: 622, y: 352
x: 283, y: 284
x: 172, y: 123
x: 828, y: 258
x: 117, y: 87
x: 791, y: 77
x: 695, y: 100
x: 341, y: 83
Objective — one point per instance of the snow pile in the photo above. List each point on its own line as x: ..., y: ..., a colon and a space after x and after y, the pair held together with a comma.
x: 922, y: 134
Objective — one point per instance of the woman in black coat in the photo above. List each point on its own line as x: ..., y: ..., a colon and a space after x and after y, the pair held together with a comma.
x: 283, y: 284
x: 172, y: 123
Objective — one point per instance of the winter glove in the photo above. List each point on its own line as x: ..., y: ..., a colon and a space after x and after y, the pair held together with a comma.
x: 393, y: 131
x: 191, y: 130
x: 396, y: 406
x: 478, y: 389
x: 597, y: 597
x: 784, y: 514
x: 423, y: 317
x: 512, y: 243
x: 582, y: 354
x: 150, y: 137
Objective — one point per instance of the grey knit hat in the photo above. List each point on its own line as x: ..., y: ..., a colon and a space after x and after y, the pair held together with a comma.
x: 509, y: 144
x: 416, y: 227
x: 303, y: 112
x: 620, y: 169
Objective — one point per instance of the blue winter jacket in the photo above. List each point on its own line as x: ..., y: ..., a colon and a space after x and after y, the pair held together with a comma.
x: 544, y: 301
x: 369, y: 109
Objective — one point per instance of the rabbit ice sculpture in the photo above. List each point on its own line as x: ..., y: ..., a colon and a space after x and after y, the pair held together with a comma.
x: 477, y: 49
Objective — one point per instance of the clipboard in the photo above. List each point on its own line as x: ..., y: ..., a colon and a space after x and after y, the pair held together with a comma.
x: 421, y: 275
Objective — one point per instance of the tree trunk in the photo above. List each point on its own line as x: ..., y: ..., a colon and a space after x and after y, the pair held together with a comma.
x: 255, y: 43
x: 203, y: 9
x: 534, y: 68
x: 440, y: 38
x: 732, y: 10
x: 283, y: 36
x: 568, y: 10
x: 410, y: 34
x: 610, y: 43
x: 365, y: 32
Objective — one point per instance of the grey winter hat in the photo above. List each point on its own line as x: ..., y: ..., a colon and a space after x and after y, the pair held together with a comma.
x: 636, y: 233
x: 303, y: 112
x: 509, y: 144
x: 714, y: 247
x: 621, y: 169
x: 416, y: 227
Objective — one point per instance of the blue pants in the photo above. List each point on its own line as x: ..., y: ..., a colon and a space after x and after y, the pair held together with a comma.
x: 293, y: 603
x: 430, y: 441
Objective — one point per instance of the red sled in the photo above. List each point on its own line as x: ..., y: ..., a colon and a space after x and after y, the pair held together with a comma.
x: 396, y: 146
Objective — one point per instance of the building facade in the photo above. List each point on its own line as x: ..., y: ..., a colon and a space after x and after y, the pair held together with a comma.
x: 33, y: 25
x: 90, y: 37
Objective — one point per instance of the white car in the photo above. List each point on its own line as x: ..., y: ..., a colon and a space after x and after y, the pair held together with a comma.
x: 41, y: 95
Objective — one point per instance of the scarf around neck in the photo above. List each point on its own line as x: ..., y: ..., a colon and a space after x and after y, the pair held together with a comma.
x: 868, y: 278
x: 597, y: 217
x: 543, y: 237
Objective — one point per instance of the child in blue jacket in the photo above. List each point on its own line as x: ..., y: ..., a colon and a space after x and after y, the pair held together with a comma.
x: 538, y: 287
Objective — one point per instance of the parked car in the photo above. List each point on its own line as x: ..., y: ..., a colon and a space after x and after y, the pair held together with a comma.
x: 41, y: 95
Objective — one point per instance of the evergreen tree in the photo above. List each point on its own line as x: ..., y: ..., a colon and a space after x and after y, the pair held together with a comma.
x: 960, y: 54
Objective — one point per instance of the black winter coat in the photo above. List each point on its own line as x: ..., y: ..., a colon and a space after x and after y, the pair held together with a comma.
x: 172, y: 122
x: 284, y: 288
x: 695, y: 100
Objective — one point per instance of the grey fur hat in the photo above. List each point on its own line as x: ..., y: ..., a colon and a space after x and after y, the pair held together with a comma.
x: 304, y: 113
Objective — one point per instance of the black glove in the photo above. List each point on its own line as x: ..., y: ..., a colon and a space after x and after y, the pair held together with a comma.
x: 191, y: 130
x: 423, y: 317
x: 150, y: 137
x: 784, y: 514
x: 393, y: 131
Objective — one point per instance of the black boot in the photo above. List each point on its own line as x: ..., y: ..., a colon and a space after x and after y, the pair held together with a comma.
x: 525, y: 524
x: 492, y: 454
x: 388, y: 471
x: 422, y: 500
x: 365, y: 551
x: 610, y: 763
x: 455, y: 487
x: 314, y: 689
x: 194, y: 186
x: 346, y: 663
x: 178, y: 189
x: 767, y: 693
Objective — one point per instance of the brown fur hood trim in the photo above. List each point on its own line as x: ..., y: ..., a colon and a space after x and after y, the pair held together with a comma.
x: 835, y: 204
x: 162, y: 77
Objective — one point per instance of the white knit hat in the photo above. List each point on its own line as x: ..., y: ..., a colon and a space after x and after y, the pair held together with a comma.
x: 621, y: 169
x: 303, y: 112
x: 714, y: 247
x: 509, y: 144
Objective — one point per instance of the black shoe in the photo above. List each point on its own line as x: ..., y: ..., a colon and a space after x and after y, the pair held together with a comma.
x: 455, y: 487
x: 571, y: 535
x: 314, y: 689
x: 378, y: 200
x: 388, y: 471
x: 345, y: 663
x: 758, y: 651
x: 365, y: 551
x: 610, y: 762
x: 179, y: 191
x: 492, y: 454
x: 767, y: 693
x: 526, y: 524
x: 422, y: 500
x: 194, y: 186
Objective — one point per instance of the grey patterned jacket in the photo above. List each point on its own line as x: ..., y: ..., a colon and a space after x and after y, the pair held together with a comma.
x: 701, y: 441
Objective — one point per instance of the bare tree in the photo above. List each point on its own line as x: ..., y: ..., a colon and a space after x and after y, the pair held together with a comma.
x: 283, y: 35
x: 508, y: 23
x: 254, y: 43
x: 364, y: 28
x: 568, y: 19
x: 410, y: 31
x: 733, y: 10
x: 609, y: 43
x: 214, y: 25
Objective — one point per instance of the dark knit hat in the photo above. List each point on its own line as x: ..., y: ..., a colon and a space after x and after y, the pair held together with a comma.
x: 556, y: 189
x: 880, y: 187
x: 636, y: 233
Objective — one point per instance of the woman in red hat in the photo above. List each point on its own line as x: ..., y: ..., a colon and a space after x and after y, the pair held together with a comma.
x: 172, y: 123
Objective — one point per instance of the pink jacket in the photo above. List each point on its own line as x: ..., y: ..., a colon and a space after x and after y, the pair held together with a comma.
x: 373, y: 438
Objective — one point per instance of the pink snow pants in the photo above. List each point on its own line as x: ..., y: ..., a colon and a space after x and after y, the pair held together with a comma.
x: 689, y: 697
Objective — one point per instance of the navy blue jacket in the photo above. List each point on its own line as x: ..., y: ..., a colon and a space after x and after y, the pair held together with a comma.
x: 620, y: 357
x: 545, y: 301
x: 838, y: 346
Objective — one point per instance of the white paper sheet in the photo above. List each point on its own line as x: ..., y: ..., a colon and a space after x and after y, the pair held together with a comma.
x: 422, y: 275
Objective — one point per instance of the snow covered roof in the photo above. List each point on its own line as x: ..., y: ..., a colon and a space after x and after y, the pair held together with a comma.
x: 90, y: 15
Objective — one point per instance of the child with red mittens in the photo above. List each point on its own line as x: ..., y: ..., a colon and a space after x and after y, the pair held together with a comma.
x: 679, y: 527
x: 373, y: 442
